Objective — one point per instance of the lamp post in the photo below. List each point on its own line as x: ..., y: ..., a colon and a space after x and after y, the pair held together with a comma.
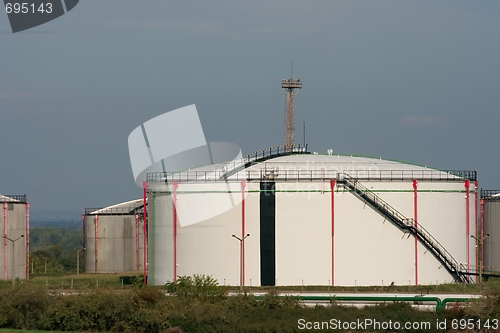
x: 241, y: 258
x: 479, y: 245
x: 13, y: 241
x: 78, y: 262
x: 45, y: 265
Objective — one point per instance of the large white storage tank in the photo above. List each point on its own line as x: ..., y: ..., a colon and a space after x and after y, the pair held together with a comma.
x: 490, y: 214
x: 113, y: 238
x: 14, y: 253
x: 312, y: 220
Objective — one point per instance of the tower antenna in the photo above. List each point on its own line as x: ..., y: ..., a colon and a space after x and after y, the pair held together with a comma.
x: 289, y: 85
x: 304, y: 133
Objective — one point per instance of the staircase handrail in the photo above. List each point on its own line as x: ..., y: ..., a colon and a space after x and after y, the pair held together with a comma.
x: 234, y: 166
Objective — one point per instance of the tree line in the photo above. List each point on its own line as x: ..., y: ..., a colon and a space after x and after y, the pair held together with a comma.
x: 53, y: 250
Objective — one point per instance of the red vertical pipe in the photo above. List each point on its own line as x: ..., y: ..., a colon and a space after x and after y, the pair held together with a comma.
x: 332, y: 186
x: 476, y: 201
x: 27, y: 240
x: 415, y: 218
x: 482, y: 233
x: 136, y: 242
x: 467, y: 217
x: 144, y: 232
x: 83, y: 230
x: 96, y: 242
x: 84, y: 238
x: 5, y: 241
x: 243, y: 185
x: 176, y: 185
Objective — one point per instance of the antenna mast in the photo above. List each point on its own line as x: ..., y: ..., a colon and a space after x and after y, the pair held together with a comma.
x: 289, y: 85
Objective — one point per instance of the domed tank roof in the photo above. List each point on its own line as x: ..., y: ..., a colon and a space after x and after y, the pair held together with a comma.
x: 13, y: 198
x: 303, y: 166
x: 123, y: 208
x: 287, y: 163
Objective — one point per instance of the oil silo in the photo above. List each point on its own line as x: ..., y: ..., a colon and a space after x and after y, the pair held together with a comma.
x: 14, y: 256
x: 113, y: 238
x: 283, y: 216
x: 490, y: 217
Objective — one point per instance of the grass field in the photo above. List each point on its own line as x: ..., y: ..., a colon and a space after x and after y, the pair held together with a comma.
x: 68, y: 282
x: 122, y: 281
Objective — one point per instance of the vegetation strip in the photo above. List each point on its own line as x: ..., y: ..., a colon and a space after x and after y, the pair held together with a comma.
x: 199, y: 304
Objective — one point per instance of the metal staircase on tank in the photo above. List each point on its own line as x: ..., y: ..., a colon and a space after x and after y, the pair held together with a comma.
x: 406, y: 225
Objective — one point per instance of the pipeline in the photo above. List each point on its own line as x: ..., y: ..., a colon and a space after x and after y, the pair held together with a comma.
x: 440, y: 304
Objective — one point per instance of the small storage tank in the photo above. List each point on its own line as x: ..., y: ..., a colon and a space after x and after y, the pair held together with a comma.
x: 113, y: 238
x: 490, y: 214
x: 14, y: 253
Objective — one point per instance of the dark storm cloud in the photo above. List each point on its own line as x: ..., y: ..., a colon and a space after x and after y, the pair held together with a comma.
x: 414, y: 81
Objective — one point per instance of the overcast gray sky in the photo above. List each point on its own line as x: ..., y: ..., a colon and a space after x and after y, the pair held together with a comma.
x: 410, y: 80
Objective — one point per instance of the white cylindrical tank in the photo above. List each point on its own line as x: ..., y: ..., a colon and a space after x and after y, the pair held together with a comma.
x: 490, y: 211
x: 114, y: 238
x: 312, y: 220
x: 15, y: 242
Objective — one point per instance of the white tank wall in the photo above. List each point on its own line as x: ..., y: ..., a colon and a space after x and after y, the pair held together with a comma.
x: 492, y: 243
x: 160, y: 239
x: 368, y: 250
x: 303, y: 237
x: 16, y: 226
x: 116, y: 248
x: 206, y: 247
x: 441, y: 214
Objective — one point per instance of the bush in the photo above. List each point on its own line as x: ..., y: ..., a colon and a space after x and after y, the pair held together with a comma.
x: 150, y: 295
x: 101, y: 311
x: 129, y: 311
x: 199, y: 287
x: 273, y: 301
x: 133, y: 280
x: 201, y: 306
x: 23, y: 306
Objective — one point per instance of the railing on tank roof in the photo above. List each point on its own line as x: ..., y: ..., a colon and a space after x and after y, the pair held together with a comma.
x: 133, y: 209
x: 261, y: 155
x: 14, y: 198
x: 297, y: 148
x: 423, y: 175
x: 361, y: 175
x: 229, y: 169
x: 491, y: 195
x: 186, y: 176
x: 253, y: 175
x: 285, y: 175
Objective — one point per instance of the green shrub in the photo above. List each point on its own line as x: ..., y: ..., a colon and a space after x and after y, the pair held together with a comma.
x: 201, y: 287
x: 23, y: 306
x: 150, y: 295
x: 273, y: 301
x: 147, y: 320
x: 200, y: 306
